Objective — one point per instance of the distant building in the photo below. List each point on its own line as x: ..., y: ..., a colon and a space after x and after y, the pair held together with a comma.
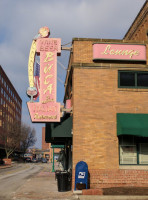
x: 44, y: 144
x: 10, y: 104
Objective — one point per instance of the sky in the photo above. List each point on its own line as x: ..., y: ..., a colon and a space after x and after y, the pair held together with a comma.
x: 20, y: 21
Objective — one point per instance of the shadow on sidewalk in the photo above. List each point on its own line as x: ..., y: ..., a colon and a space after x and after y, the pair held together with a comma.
x: 42, y: 186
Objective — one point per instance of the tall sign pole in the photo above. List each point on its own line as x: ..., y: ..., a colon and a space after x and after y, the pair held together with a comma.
x: 47, y: 109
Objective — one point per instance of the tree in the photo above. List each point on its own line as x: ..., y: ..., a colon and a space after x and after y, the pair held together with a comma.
x: 28, y: 137
x: 16, y: 136
x: 11, y: 137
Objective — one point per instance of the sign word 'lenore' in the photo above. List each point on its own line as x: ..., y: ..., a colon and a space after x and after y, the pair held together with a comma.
x: 47, y: 109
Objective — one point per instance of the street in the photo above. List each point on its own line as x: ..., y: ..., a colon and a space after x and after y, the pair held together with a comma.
x: 35, y: 181
x: 13, y: 178
x: 28, y: 181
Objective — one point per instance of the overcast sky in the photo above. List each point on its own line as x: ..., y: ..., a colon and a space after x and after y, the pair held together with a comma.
x: 20, y: 21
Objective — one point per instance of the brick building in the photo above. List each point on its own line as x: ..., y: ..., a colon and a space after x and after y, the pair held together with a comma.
x: 10, y: 105
x: 139, y: 28
x: 44, y: 144
x: 110, y: 114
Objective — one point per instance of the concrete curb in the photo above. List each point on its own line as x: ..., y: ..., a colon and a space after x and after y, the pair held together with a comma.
x: 77, y: 192
x: 111, y: 197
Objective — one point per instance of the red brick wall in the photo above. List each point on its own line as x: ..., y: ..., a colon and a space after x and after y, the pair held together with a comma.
x: 44, y: 144
x: 118, y: 178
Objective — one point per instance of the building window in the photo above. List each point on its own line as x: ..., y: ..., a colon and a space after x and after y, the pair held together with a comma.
x: 142, y: 79
x: 133, y: 150
x: 132, y: 79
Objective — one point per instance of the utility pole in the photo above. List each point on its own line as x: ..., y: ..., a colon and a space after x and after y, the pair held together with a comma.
x: 53, y: 161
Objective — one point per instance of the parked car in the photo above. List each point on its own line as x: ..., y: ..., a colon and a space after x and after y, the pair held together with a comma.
x: 27, y: 159
x: 34, y: 160
x: 39, y: 160
x: 44, y: 160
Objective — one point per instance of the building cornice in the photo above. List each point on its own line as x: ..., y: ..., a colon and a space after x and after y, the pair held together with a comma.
x: 109, y: 65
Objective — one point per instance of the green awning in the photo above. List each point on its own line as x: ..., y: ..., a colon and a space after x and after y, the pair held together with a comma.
x: 64, y: 129
x: 57, y: 146
x: 132, y: 124
x: 59, y: 132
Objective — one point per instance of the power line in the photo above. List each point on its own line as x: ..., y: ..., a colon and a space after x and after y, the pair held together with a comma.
x: 62, y: 65
x: 60, y: 80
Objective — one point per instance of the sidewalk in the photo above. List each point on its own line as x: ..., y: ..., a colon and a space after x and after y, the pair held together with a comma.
x: 43, y: 186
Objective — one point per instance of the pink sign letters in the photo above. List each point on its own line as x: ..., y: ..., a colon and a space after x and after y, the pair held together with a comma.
x: 47, y: 109
x: 119, y: 52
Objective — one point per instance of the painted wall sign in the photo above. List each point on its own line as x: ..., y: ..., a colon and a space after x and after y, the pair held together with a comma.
x: 47, y: 109
x: 129, y: 52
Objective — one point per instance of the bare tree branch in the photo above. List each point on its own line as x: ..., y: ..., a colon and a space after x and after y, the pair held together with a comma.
x: 28, y: 137
x: 17, y: 136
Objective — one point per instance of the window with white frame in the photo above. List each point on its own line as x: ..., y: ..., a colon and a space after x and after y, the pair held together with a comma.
x: 133, y: 150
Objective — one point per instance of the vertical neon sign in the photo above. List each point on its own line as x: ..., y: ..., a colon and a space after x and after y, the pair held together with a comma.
x: 47, y: 109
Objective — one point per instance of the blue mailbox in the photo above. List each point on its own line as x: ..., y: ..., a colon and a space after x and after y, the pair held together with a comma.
x: 81, y: 173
